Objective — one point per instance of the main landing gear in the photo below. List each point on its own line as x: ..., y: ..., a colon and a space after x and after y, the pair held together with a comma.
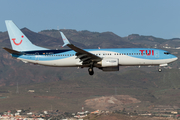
x: 90, y: 70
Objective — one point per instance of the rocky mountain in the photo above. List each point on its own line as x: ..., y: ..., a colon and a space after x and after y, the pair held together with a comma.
x: 74, y: 85
x: 14, y: 70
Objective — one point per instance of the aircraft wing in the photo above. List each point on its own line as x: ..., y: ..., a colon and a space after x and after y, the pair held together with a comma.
x: 85, y: 56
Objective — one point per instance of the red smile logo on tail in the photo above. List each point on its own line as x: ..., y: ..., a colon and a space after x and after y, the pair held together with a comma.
x: 13, y: 39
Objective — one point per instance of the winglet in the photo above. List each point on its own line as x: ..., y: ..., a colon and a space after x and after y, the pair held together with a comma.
x: 65, y: 40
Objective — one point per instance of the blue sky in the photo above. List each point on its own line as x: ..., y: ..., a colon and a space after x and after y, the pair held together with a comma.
x: 159, y: 18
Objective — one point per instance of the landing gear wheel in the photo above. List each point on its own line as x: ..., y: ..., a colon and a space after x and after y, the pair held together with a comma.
x: 91, y: 72
x: 159, y: 69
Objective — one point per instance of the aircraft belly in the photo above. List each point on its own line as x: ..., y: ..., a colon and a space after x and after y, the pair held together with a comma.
x: 60, y: 62
x: 123, y: 60
x: 128, y: 60
x: 66, y: 62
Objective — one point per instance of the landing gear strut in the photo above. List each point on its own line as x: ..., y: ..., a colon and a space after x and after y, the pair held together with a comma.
x: 159, y: 69
x: 90, y: 70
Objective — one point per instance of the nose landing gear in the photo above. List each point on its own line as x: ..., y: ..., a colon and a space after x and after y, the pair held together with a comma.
x: 159, y: 69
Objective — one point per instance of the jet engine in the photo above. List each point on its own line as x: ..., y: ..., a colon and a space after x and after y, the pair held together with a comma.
x: 109, y: 64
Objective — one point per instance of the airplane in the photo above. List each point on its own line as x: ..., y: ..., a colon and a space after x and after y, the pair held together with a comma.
x: 104, y: 59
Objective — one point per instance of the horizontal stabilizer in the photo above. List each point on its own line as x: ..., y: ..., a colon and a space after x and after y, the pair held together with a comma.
x: 12, y: 51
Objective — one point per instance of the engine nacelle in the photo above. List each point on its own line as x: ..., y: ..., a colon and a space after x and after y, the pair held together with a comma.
x: 109, y: 62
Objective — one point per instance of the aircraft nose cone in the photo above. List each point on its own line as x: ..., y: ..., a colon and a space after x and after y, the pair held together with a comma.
x: 175, y: 58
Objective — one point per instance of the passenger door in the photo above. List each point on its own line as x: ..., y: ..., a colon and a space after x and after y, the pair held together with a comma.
x: 36, y: 56
x: 157, y: 54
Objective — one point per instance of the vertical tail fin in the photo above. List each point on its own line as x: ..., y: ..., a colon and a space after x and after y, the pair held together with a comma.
x: 18, y: 40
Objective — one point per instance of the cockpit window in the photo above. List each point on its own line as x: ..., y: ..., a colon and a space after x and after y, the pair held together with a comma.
x: 167, y: 53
